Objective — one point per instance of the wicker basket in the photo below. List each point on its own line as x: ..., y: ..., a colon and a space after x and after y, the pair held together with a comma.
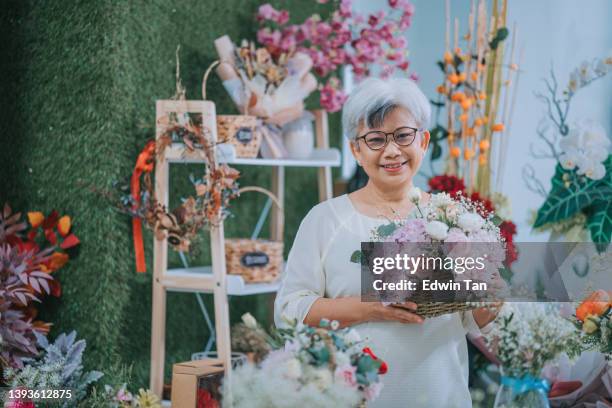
x: 256, y: 260
x: 240, y: 131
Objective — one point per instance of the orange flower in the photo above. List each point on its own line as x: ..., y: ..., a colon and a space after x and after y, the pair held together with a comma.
x: 594, y: 305
x: 484, y: 145
x: 470, y: 132
x: 463, y: 117
x: 462, y: 77
x: 474, y: 76
x: 453, y: 79
x: 448, y: 57
x: 458, y: 51
x: 482, y: 159
x: 455, y: 152
x: 482, y: 96
x: 468, y: 154
x: 63, y: 225
x: 458, y: 96
x: 441, y: 90
x: 498, y: 127
x: 478, y: 122
x: 466, y: 104
x: 35, y: 218
x: 58, y: 260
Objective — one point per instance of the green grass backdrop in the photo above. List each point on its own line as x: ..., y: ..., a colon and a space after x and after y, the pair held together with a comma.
x: 79, y: 84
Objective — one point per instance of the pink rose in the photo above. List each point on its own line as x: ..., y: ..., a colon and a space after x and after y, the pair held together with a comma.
x: 347, y: 374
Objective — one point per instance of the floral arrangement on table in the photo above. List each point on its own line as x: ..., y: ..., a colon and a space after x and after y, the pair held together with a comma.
x: 310, y: 366
x: 498, y: 205
x: 121, y: 397
x: 579, y: 198
x: 476, y: 93
x: 59, y: 366
x: 593, y: 320
x: 343, y: 38
x: 458, y: 220
x: 525, y: 337
x: 29, y: 257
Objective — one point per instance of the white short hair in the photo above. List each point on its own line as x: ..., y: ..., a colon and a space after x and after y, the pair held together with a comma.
x: 374, y: 98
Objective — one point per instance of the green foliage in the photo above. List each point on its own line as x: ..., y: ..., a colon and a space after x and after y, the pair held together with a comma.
x: 59, y: 367
x: 386, y: 229
x: 500, y: 35
x: 82, y: 79
x: 599, y: 222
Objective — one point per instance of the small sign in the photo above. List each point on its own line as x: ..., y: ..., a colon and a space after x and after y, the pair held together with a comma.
x: 254, y: 259
x: 244, y: 135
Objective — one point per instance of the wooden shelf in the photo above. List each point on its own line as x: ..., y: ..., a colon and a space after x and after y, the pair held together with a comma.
x: 201, y: 279
x: 320, y: 157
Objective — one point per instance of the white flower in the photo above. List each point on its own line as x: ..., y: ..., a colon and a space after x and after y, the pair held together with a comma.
x: 352, y: 336
x: 470, y: 222
x: 586, y: 72
x: 441, y: 200
x: 452, y: 211
x: 322, y: 378
x: 584, y: 148
x: 293, y: 369
x: 437, y: 230
x: 342, y: 359
x: 335, y: 325
x: 249, y: 321
x: 414, y: 194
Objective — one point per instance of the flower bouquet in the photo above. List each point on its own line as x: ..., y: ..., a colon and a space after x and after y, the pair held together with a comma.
x: 593, y: 319
x: 310, y: 366
x: 450, y: 228
x: 525, y: 337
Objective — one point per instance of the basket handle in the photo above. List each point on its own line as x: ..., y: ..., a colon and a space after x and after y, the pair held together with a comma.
x: 271, y: 196
x: 207, y: 74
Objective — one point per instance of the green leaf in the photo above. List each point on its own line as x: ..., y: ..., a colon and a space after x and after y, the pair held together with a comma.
x: 599, y: 222
x: 457, y: 61
x: 438, y: 133
x: 386, y: 230
x: 502, y: 33
x: 356, y: 257
x: 365, y: 364
x: 563, y: 202
x: 497, y: 220
x: 438, y: 104
x: 440, y: 65
x: 436, y: 151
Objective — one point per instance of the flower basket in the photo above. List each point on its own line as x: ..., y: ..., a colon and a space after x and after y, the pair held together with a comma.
x: 240, y: 131
x: 256, y: 260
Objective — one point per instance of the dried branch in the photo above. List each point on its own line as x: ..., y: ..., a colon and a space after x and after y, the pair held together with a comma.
x: 532, y: 182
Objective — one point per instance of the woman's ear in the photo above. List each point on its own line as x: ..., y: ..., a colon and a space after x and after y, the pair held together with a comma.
x: 354, y: 144
x: 425, y: 140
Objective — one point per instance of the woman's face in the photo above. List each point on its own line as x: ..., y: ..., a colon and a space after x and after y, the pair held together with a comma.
x: 393, y: 165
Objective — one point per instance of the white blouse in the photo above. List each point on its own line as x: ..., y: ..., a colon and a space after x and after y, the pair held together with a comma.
x: 428, y: 362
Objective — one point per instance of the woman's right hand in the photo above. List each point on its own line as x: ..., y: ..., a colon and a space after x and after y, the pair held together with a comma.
x: 400, y: 312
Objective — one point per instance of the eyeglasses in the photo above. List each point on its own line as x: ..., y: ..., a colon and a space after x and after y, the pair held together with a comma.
x: 377, y: 139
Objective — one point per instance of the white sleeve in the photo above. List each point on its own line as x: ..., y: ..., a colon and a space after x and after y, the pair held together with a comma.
x: 471, y: 327
x: 303, y: 279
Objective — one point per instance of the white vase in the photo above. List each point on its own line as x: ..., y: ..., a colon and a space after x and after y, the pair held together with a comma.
x: 298, y: 137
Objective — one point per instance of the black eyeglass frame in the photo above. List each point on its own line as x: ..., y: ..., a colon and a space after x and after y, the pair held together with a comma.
x: 387, y: 136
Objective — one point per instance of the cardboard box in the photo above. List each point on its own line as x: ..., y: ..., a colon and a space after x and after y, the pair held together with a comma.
x: 196, y: 384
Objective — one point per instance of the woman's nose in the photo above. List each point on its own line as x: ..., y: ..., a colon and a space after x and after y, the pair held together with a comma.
x: 392, y: 149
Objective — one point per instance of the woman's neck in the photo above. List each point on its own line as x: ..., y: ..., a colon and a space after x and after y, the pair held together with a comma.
x: 392, y: 196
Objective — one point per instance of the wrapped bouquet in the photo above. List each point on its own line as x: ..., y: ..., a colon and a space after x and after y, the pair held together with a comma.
x: 311, y: 366
x: 593, y: 319
x: 450, y: 229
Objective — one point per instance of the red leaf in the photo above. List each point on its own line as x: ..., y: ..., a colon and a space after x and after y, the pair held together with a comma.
x: 51, y: 220
x: 32, y: 234
x: 51, y: 236
x: 70, y: 241
x: 56, y: 288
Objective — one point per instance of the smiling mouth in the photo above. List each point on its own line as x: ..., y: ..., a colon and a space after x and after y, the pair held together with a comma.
x: 393, y: 166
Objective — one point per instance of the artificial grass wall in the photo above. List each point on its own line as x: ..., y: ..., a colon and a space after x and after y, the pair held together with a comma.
x: 79, y: 84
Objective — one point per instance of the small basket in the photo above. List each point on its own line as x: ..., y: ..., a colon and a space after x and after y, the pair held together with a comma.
x: 240, y: 131
x: 256, y: 260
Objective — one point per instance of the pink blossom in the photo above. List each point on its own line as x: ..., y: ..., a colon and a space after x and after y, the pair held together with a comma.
x: 386, y: 71
x: 332, y: 98
x: 403, y: 65
x: 414, y: 77
x: 372, y: 391
x: 345, y: 8
x: 347, y: 374
x: 266, y: 12
x: 282, y: 17
x: 412, y: 231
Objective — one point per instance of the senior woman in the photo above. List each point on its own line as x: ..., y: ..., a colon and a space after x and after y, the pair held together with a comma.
x: 427, y: 358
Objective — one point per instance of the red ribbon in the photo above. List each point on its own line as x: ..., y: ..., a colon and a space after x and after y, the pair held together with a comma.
x: 144, y: 164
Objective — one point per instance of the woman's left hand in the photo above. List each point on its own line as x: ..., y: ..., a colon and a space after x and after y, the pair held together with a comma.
x: 486, y: 315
